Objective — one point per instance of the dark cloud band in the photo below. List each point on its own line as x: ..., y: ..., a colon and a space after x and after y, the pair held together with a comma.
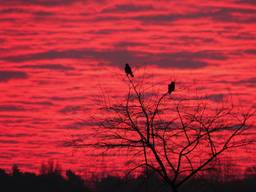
x: 9, y: 75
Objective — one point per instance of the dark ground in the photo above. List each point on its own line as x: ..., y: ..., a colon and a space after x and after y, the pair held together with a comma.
x: 51, y: 180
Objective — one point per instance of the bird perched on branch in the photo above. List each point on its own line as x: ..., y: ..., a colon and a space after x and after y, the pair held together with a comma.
x: 171, y: 87
x: 128, y: 70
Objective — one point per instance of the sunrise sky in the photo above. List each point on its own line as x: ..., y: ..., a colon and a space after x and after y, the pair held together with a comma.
x: 58, y: 58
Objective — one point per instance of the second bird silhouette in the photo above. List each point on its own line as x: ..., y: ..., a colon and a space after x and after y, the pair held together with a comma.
x: 171, y: 87
x: 128, y: 70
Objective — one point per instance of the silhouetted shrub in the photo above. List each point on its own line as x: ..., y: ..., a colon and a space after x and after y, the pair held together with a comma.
x: 50, y: 181
x: 50, y: 168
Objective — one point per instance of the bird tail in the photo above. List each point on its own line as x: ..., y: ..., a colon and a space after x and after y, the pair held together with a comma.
x: 132, y: 75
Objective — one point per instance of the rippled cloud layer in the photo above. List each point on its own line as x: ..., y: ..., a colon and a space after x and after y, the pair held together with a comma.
x: 58, y: 58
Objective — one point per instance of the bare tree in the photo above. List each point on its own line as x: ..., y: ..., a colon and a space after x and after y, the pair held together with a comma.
x: 176, y: 141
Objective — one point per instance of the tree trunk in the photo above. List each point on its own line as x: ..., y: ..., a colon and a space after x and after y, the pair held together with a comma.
x: 173, y: 187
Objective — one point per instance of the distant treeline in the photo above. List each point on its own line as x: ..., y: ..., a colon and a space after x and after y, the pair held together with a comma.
x: 51, y: 179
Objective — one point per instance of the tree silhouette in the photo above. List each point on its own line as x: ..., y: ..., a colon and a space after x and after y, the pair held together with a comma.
x: 177, y: 141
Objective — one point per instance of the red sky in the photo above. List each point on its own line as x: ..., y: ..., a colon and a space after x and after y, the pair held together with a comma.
x: 58, y: 56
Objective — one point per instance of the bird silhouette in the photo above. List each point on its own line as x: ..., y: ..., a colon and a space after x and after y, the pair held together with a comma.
x: 128, y: 70
x: 171, y: 87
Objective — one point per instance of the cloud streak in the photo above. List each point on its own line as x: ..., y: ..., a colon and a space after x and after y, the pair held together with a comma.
x: 47, y: 3
x: 10, y: 75
x: 52, y: 67
x: 116, y: 57
x: 11, y: 108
